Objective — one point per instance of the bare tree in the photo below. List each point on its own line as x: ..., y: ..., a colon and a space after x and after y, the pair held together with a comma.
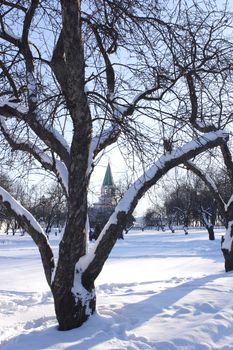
x: 202, y: 55
x: 49, y: 208
x: 77, y: 79
x: 224, y: 204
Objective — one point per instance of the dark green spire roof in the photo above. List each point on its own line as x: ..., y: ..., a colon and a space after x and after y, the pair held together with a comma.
x: 108, y: 179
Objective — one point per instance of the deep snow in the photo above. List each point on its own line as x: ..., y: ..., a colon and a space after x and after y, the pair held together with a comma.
x: 158, y: 291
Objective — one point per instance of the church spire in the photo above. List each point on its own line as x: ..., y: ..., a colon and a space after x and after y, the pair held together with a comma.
x: 108, y: 179
x: 108, y: 190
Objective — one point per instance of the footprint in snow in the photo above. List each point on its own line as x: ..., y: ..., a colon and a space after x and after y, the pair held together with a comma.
x: 182, y: 311
x: 204, y: 308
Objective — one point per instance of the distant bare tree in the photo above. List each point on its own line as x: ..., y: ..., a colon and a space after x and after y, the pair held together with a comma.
x: 224, y: 204
x: 50, y: 208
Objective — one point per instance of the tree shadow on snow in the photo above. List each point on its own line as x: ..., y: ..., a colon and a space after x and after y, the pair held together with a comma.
x: 100, y: 329
x: 157, y: 303
x: 95, y: 331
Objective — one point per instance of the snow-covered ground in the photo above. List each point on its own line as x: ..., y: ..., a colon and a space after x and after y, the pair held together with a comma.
x: 158, y: 291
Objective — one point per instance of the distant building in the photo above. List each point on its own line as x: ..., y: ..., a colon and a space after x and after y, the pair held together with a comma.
x: 100, y: 212
x: 108, y: 191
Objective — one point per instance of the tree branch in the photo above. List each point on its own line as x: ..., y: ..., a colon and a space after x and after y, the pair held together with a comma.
x: 58, y: 63
x: 17, y: 5
x: 209, y: 183
x: 101, y: 141
x: 110, y: 75
x: 9, y: 78
x: 194, y: 107
x: 47, y: 134
x: 227, y: 157
x: 29, y: 223
x: 25, y: 44
x: 48, y: 163
x: 6, y: 35
x: 91, y: 265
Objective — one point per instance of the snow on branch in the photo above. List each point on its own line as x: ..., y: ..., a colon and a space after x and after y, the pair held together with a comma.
x: 93, y: 262
x: 31, y: 225
x: 32, y: 92
x: 230, y: 201
x: 9, y: 108
x: 171, y: 159
x: 205, y: 214
x: 58, y: 136
x: 100, y: 141
x: 228, y: 238
x: 47, y: 133
x: 20, y: 211
x: 120, y: 109
x: 148, y: 94
x: 62, y: 173
x: 48, y: 163
x: 110, y: 135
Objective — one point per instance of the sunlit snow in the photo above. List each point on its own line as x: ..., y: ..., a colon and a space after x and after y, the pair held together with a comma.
x: 158, y: 290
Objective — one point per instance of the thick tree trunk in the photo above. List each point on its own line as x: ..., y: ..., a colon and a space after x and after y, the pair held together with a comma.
x: 228, y: 257
x: 210, y: 230
x: 73, y: 301
x: 73, y: 307
x: 185, y: 228
x: 72, y: 311
x: 227, y: 246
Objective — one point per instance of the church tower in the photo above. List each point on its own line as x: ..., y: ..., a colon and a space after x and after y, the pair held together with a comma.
x: 108, y: 190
